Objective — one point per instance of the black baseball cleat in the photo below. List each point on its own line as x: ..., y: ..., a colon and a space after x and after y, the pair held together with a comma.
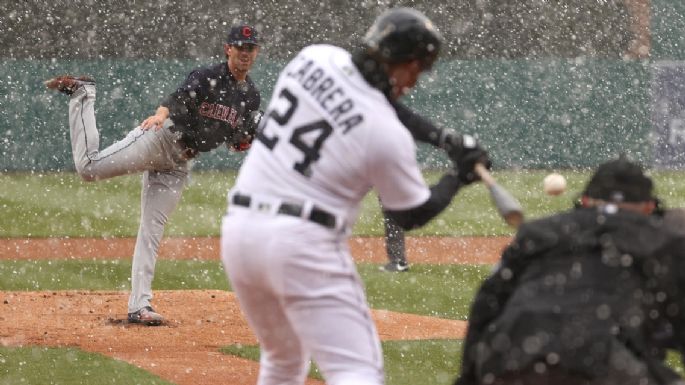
x: 395, y: 267
x: 146, y: 316
x: 67, y: 84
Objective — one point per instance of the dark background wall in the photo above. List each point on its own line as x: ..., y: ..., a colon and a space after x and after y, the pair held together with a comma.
x: 544, y: 83
x: 90, y: 29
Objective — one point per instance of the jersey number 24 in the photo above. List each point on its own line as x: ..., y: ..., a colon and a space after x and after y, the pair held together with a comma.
x: 318, y: 131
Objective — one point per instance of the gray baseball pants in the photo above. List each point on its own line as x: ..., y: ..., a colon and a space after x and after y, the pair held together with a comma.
x: 157, y: 154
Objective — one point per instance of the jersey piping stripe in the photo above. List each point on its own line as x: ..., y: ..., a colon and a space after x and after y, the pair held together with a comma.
x: 85, y: 135
x: 130, y: 143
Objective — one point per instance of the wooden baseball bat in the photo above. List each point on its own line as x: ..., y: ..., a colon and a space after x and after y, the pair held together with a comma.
x: 509, y: 207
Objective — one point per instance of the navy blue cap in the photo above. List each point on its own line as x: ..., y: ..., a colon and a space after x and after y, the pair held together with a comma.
x: 243, y: 34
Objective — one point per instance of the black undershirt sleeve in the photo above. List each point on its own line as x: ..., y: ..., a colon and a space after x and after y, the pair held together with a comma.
x: 441, y: 196
x: 422, y: 129
x: 442, y: 192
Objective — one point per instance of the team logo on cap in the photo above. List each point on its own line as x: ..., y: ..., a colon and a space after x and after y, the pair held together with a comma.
x: 247, y: 31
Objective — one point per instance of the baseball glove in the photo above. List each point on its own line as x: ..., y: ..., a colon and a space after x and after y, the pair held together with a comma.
x: 242, y: 138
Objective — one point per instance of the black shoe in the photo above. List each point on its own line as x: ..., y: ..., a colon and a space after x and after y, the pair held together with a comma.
x: 67, y: 84
x: 146, y: 316
x: 395, y: 267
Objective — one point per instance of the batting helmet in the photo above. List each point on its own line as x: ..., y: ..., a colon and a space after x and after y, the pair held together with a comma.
x: 403, y: 34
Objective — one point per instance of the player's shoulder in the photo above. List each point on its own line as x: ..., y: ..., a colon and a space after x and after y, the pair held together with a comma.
x: 217, y: 69
x: 203, y: 73
x: 331, y: 57
x: 345, y: 73
x: 335, y: 63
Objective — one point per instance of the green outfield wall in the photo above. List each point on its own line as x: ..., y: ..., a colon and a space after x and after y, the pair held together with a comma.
x: 668, y: 29
x: 542, y: 83
x: 542, y: 113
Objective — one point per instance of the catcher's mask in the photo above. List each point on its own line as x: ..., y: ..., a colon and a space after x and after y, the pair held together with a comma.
x: 403, y: 34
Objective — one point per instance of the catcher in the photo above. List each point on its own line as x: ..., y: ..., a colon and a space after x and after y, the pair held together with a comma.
x: 214, y: 105
x: 589, y: 296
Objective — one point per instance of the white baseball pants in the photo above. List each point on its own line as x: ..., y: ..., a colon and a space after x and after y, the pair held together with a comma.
x: 300, y: 292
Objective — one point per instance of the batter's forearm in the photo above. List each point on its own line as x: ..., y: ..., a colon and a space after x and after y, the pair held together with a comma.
x: 441, y: 196
x: 463, y: 150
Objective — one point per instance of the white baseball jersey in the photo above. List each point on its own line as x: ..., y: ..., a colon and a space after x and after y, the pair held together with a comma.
x: 328, y: 137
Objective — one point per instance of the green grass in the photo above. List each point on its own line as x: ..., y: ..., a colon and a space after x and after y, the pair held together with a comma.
x: 674, y: 361
x: 108, y: 275
x: 406, y: 362
x: 57, y: 205
x: 417, y: 362
x: 251, y: 352
x: 443, y: 291
x: 421, y: 362
x: 60, y: 204
x: 436, y: 290
x: 68, y: 366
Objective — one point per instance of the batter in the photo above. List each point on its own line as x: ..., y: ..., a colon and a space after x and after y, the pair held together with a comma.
x: 330, y: 134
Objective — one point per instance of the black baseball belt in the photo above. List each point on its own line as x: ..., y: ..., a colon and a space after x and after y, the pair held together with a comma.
x: 186, y: 151
x: 317, y: 215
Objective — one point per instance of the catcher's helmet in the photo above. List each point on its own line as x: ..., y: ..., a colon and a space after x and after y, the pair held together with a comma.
x: 403, y: 34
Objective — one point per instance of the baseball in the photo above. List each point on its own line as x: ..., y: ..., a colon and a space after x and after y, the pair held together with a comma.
x: 554, y: 184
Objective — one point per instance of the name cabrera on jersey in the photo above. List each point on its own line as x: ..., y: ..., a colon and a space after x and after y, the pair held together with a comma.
x: 328, y: 137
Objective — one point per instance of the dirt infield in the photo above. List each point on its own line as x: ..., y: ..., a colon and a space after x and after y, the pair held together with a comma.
x: 185, y: 349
